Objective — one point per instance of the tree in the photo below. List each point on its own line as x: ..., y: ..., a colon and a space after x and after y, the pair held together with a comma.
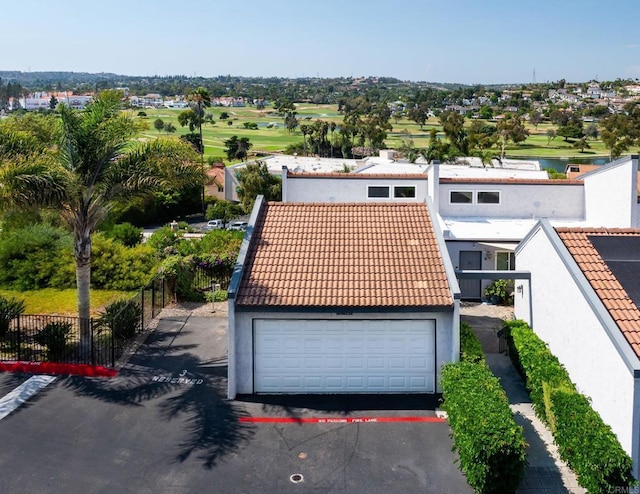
x: 581, y: 144
x: 53, y: 102
x: 551, y: 135
x: 453, y: 126
x: 535, y: 118
x: 237, y: 149
x: 618, y: 133
x: 511, y: 128
x: 305, y: 130
x: 200, y: 99
x: 158, y: 124
x: 592, y: 131
x: 572, y: 129
x: 485, y: 112
x: 169, y: 128
x: 188, y: 117
x: 224, y: 115
x: 92, y: 168
x: 418, y: 114
x: 255, y: 179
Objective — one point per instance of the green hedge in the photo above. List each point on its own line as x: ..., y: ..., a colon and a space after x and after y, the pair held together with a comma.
x: 490, y: 445
x: 584, y: 441
x: 588, y: 445
x: 470, y: 347
x: 537, y: 365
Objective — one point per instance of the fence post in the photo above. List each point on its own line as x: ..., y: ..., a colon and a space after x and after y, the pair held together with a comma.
x: 163, y: 294
x: 93, y: 337
x: 153, y: 299
x: 142, y: 305
x: 19, y: 339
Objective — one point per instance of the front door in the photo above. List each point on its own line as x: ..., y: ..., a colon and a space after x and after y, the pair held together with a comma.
x: 470, y: 259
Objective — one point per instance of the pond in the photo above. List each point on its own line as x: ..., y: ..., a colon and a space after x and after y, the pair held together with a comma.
x: 560, y: 164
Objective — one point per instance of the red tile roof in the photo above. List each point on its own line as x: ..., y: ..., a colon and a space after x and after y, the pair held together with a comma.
x: 620, y: 306
x: 344, y: 255
x: 520, y: 181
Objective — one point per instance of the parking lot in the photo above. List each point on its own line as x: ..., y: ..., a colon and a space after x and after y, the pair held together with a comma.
x: 164, y: 425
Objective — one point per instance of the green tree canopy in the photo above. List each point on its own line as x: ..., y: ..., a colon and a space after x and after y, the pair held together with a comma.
x: 93, y: 167
x: 237, y: 148
x: 254, y: 180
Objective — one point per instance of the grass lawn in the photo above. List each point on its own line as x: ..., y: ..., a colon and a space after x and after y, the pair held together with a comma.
x: 276, y: 139
x: 63, y: 302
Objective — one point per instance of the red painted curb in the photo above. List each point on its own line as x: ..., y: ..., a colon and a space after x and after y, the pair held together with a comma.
x: 56, y: 369
x: 337, y: 420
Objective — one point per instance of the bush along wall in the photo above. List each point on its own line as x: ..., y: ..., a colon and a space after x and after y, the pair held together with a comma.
x: 490, y: 445
x: 470, y: 347
x: 584, y: 441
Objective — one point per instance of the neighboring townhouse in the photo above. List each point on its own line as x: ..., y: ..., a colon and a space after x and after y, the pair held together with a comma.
x: 583, y: 301
x: 214, y: 186
x: 341, y: 298
x: 483, y: 212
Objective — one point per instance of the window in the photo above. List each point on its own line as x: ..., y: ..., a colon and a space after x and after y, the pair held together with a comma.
x: 461, y: 197
x: 404, y: 191
x: 377, y: 191
x: 487, y: 197
x: 505, y: 261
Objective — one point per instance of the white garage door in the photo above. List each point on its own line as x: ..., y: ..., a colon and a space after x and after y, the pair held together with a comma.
x: 344, y: 356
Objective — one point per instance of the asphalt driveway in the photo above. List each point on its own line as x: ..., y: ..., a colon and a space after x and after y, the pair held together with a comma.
x: 163, y: 425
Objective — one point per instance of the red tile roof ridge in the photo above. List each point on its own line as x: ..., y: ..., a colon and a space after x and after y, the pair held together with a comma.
x: 598, y: 230
x: 522, y: 181
x: 346, y: 204
x: 413, y: 176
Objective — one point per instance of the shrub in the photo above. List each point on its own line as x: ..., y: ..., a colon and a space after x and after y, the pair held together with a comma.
x: 35, y: 257
x: 588, y: 445
x: 54, y: 338
x: 123, y: 318
x: 179, y: 273
x: 216, y: 296
x: 10, y: 308
x: 499, y: 292
x: 536, y: 364
x: 126, y: 234
x: 470, y: 347
x: 116, y: 267
x: 584, y: 441
x: 490, y: 445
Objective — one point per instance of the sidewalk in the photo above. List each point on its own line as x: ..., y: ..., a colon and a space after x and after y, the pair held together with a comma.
x: 545, y: 472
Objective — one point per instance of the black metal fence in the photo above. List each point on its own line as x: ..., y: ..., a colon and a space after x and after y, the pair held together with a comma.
x: 96, y: 341
x: 206, y: 277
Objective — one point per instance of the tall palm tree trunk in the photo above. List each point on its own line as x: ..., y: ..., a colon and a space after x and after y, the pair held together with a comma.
x: 83, y: 282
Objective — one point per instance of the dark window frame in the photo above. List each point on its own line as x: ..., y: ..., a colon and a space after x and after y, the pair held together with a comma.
x: 397, y: 187
x: 462, y: 193
x: 369, y: 187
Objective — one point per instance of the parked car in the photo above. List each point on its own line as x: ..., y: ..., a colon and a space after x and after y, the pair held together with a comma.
x: 238, y: 225
x: 214, y: 225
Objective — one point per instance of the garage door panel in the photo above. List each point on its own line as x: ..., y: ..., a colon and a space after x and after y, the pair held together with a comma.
x: 329, y: 356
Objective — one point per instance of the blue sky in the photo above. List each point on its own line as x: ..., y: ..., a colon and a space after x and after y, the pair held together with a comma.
x: 467, y: 41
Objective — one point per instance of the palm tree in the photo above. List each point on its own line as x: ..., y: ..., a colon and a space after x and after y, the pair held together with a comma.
x: 202, y: 99
x: 93, y: 168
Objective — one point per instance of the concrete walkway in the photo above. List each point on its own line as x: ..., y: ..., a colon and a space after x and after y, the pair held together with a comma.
x: 545, y: 472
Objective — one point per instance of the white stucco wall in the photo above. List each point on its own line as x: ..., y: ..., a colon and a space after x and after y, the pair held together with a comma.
x: 517, y: 201
x: 611, y: 195
x: 241, y: 340
x: 352, y: 189
x: 563, y: 318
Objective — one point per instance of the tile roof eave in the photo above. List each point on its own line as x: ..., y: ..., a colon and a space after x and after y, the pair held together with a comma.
x: 345, y: 310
